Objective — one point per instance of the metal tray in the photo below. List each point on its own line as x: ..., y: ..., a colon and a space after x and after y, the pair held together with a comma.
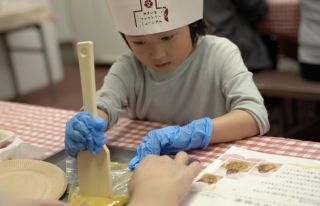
x: 117, y: 154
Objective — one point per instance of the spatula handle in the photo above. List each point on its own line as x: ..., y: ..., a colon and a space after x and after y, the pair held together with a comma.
x: 87, y: 75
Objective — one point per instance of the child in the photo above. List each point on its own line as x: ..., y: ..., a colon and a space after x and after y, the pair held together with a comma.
x: 174, y: 74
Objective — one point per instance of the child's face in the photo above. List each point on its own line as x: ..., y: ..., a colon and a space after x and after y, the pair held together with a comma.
x: 163, y: 51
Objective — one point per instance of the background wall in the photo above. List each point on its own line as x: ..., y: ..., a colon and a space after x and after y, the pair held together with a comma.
x: 63, y: 24
x: 83, y: 20
x: 78, y: 20
x: 30, y: 67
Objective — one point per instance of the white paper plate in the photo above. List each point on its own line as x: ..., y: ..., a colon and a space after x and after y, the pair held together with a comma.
x: 32, y: 179
x: 5, y: 136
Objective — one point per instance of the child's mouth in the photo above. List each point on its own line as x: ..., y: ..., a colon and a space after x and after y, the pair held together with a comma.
x: 159, y: 66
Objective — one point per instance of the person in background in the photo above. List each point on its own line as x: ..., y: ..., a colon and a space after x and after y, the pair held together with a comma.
x: 236, y: 20
x: 309, y: 40
x: 176, y: 74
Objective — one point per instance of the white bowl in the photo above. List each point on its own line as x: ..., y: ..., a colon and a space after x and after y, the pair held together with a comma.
x: 5, y: 136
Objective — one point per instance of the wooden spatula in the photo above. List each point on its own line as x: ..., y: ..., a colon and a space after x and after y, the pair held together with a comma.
x: 94, y: 171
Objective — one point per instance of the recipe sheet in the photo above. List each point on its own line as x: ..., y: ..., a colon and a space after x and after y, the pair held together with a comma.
x: 243, y: 177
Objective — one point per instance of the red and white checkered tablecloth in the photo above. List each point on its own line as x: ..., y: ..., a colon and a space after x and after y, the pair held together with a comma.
x: 41, y: 126
x: 282, y: 20
x: 44, y: 126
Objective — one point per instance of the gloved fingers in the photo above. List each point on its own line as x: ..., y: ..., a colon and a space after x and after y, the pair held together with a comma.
x: 75, y: 146
x: 84, y: 133
x: 95, y: 143
x: 99, y: 139
x: 82, y: 114
x: 143, y: 150
x: 195, y: 135
x: 97, y: 123
x: 86, y: 118
x: 90, y: 143
x: 134, y: 163
x: 76, y: 137
x: 96, y: 149
x: 72, y: 133
x: 141, y: 153
x: 165, y: 136
x: 153, y: 146
x: 173, y: 141
x: 100, y: 124
x: 98, y: 142
x: 146, y: 148
x: 79, y: 132
x: 80, y: 146
x: 150, y: 145
x: 169, y: 139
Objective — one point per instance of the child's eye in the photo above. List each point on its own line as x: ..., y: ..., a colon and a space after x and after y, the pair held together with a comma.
x: 139, y: 42
x: 167, y: 38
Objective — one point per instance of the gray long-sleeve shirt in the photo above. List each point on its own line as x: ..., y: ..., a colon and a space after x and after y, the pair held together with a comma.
x: 211, y: 82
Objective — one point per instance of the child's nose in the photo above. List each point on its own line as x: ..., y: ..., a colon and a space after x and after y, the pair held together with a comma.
x: 157, y: 52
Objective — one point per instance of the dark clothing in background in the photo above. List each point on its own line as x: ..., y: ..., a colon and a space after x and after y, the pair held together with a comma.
x: 310, y: 71
x: 236, y: 19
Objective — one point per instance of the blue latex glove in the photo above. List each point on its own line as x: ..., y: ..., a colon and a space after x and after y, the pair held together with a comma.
x: 172, y: 139
x: 85, y: 133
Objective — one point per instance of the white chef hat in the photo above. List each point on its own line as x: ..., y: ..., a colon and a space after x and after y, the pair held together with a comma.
x: 141, y: 17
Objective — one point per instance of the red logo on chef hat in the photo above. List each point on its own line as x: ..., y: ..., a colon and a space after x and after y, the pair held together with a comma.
x: 148, y: 3
x: 150, y: 13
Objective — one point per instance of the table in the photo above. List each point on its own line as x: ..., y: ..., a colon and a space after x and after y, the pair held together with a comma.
x: 282, y: 20
x: 44, y: 126
x: 41, y: 126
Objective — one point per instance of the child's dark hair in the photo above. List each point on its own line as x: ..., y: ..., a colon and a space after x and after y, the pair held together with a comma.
x: 197, y: 29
